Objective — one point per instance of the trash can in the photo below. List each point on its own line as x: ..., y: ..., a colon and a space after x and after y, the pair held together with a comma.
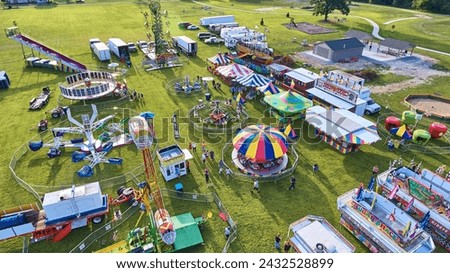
x: 207, y: 96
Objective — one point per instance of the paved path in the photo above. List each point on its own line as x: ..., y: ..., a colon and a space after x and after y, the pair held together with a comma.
x: 398, y: 20
x: 376, y: 30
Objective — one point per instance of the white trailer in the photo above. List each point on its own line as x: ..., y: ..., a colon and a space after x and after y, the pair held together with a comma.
x: 93, y: 41
x: 102, y: 51
x: 120, y: 49
x: 218, y: 27
x: 185, y: 44
x: 206, y: 21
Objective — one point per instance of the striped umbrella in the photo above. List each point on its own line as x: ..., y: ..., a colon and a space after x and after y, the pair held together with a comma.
x: 260, y: 143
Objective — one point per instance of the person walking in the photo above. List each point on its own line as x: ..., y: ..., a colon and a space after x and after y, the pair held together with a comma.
x: 315, y: 168
x: 203, y: 158
x: 211, y: 155
x: 287, y: 246
x: 277, y: 241
x: 227, y: 232
x: 292, y: 186
x: 220, y: 170
x: 228, y: 173
x: 255, y: 186
x: 375, y: 170
x: 206, y: 175
x: 203, y: 146
x: 194, y: 147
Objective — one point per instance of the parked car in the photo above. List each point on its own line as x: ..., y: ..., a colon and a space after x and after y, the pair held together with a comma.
x: 142, y: 44
x: 132, y: 47
x: 372, y: 107
x: 213, y: 40
x: 41, y: 100
x: 193, y: 27
x: 205, y: 35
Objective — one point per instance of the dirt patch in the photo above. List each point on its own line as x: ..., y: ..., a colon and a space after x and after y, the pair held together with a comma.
x: 308, y: 28
x: 430, y: 106
x: 417, y: 66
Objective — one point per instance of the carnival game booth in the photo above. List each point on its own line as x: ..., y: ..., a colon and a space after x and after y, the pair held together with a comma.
x: 229, y: 72
x: 260, y: 150
x: 172, y: 161
x: 300, y: 80
x: 341, y: 90
x: 314, y: 234
x: 342, y: 129
x: 287, y: 106
x: 220, y: 59
x: 90, y: 85
x: 424, y: 194
x: 380, y: 225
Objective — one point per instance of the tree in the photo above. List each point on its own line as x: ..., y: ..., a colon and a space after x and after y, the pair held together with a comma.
x: 325, y: 7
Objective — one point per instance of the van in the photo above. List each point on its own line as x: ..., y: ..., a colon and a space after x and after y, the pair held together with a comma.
x: 205, y: 35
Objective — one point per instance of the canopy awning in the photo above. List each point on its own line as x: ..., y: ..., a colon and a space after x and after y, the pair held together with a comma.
x: 288, y: 102
x: 234, y: 70
x: 253, y: 80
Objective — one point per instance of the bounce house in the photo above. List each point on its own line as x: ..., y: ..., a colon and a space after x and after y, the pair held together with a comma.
x: 408, y: 117
x: 392, y: 122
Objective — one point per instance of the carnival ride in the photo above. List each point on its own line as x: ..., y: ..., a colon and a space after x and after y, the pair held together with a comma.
x: 61, y: 62
x: 41, y: 100
x: 375, y: 221
x: 420, y: 194
x: 260, y: 150
x: 62, y: 211
x: 93, y: 150
x: 141, y: 134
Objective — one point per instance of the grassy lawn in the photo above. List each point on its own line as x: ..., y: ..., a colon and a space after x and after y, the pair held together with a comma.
x: 259, y: 216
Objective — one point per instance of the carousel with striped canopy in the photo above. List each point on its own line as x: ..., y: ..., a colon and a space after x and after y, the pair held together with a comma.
x: 260, y: 150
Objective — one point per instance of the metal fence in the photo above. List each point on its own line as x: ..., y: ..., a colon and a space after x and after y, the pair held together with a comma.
x: 102, y: 231
x: 237, y: 174
x: 231, y: 223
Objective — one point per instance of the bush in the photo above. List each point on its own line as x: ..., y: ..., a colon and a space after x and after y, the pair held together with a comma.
x: 367, y: 74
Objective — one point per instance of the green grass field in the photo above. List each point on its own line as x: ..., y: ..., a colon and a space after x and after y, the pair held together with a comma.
x: 67, y: 28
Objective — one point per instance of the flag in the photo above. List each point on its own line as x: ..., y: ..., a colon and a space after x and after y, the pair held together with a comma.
x: 374, y: 201
x: 406, y: 229
x: 240, y: 99
x: 371, y: 184
x: 424, y: 222
x: 289, y: 132
x: 292, y: 84
x: 359, y: 194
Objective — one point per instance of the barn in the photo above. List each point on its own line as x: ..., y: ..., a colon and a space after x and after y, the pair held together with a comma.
x: 339, y: 50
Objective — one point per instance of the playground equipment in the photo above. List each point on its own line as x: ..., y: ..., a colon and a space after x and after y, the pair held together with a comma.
x: 430, y: 105
x: 61, y: 62
x: 172, y: 161
x: 419, y: 195
x: 92, y: 150
x: 437, y: 129
x: 392, y: 122
x: 376, y: 223
x: 141, y: 135
x: 62, y: 211
x: 314, y: 234
x: 421, y: 137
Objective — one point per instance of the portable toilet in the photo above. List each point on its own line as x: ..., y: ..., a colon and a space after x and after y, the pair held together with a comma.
x: 392, y: 122
x: 4, y: 80
x: 421, y: 137
x: 437, y: 129
x: 409, y: 117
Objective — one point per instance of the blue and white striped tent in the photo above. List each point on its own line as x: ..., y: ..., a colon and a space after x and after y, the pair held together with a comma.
x: 253, y: 80
x: 269, y: 89
x: 220, y: 59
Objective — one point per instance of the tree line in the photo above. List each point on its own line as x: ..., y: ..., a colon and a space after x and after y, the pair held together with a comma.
x: 435, y: 6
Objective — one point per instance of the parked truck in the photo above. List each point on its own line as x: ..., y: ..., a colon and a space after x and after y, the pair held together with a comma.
x: 120, y: 49
x: 206, y: 21
x: 185, y: 44
x: 102, y: 51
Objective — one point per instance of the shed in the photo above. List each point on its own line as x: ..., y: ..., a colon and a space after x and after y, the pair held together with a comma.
x: 364, y: 37
x: 4, y: 80
x: 339, y: 50
x: 397, y: 47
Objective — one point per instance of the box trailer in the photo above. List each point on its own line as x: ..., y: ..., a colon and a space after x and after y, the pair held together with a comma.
x: 206, y: 21
x: 120, y: 49
x: 185, y: 44
x: 102, y: 51
x: 93, y: 41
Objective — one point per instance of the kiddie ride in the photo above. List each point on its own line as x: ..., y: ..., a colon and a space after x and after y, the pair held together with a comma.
x: 92, y: 150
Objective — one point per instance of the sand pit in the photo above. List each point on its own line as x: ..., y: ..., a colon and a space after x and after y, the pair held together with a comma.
x: 430, y: 105
x: 309, y: 28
